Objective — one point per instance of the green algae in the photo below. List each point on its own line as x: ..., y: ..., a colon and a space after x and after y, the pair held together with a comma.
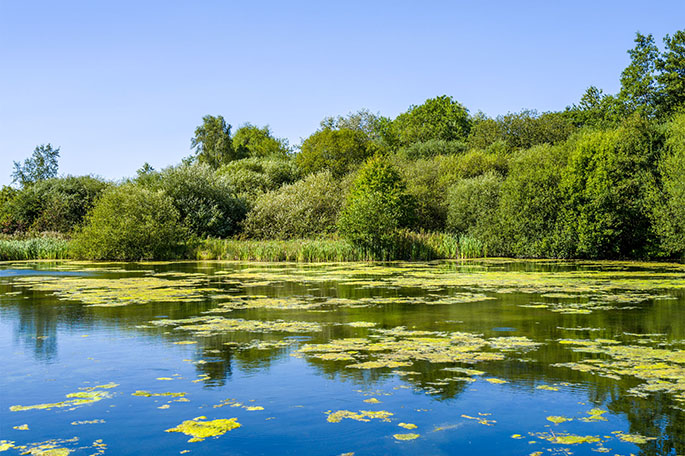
x: 480, y: 419
x: 115, y: 292
x: 6, y: 445
x: 404, y: 437
x: 89, y: 396
x: 634, y: 438
x: 199, y: 429
x: 362, y: 415
x: 211, y: 325
x: 140, y: 393
x: 409, y: 426
x: 558, y: 419
x: 547, y: 388
x: 21, y: 427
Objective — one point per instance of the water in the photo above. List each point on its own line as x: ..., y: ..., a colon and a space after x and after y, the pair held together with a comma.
x: 480, y: 357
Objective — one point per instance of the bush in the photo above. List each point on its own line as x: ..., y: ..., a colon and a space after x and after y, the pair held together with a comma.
x: 433, y: 147
x: 131, y: 223
x: 530, y: 202
x: 607, y: 187
x: 57, y: 204
x: 251, y: 177
x: 669, y: 207
x: 473, y: 206
x: 338, y: 151
x: 307, y: 208
x: 205, y: 202
x: 377, y: 207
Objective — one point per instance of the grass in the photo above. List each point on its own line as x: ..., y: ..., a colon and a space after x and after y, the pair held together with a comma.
x: 410, y: 246
x: 34, y: 249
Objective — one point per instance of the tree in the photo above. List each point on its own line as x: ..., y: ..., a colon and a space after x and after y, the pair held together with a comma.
x: 437, y: 118
x: 639, y: 91
x: 671, y: 77
x: 252, y: 141
x: 131, y: 222
x: 335, y: 150
x: 377, y: 207
x: 374, y: 126
x: 42, y: 165
x: 212, y: 142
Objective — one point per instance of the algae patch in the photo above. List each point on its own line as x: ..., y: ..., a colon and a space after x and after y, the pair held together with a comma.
x: 199, y: 429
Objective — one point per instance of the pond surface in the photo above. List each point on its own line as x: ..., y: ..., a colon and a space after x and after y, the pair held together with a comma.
x: 477, y: 357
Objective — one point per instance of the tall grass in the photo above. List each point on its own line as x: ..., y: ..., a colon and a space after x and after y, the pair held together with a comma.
x: 409, y: 246
x: 33, y: 249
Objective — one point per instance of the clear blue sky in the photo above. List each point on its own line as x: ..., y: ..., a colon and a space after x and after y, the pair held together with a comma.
x: 118, y: 83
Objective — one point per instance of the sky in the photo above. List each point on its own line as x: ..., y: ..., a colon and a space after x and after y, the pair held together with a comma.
x: 119, y: 83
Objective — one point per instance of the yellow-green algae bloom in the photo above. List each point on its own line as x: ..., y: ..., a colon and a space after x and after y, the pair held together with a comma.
x: 89, y: 396
x: 406, y: 436
x: 558, y: 419
x: 407, y: 425
x: 200, y: 430
x: 363, y: 415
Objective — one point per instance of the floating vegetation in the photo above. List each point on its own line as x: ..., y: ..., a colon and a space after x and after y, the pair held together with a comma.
x: 210, y: 325
x: 234, y: 403
x: 558, y: 419
x: 634, y: 438
x: 568, y: 439
x: 98, y: 292
x: 406, y: 436
x: 200, y: 430
x: 407, y: 426
x: 372, y: 400
x: 21, y: 427
x: 363, y: 415
x: 480, y: 419
x: 547, y: 388
x: 78, y: 423
x: 89, y: 396
x: 149, y: 394
x: 595, y: 415
x: 495, y: 381
x: 662, y: 370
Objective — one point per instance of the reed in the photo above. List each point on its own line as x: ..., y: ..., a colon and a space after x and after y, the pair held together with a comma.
x: 34, y: 249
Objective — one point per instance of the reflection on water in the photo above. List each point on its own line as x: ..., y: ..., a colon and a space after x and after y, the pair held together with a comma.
x: 497, y: 356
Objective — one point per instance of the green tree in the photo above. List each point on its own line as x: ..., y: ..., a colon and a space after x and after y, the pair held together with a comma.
x: 377, y: 207
x: 305, y: 209
x: 671, y: 77
x: 206, y: 203
x: 251, y: 177
x: 669, y: 205
x: 607, y: 185
x: 639, y: 91
x: 131, y: 222
x: 252, y: 141
x: 472, y: 207
x: 530, y: 202
x: 212, y: 142
x: 437, y: 118
x: 338, y: 151
x: 43, y: 164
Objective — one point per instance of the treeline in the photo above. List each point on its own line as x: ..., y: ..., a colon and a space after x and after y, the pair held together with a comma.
x: 604, y: 178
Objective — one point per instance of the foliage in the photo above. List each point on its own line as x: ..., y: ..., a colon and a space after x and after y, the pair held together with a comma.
x: 433, y: 147
x: 669, y: 207
x: 472, y: 207
x: 131, y: 222
x: 42, y: 165
x: 671, y: 73
x: 251, y: 177
x: 377, y: 207
x: 56, y: 204
x: 212, y: 142
x: 638, y: 81
x: 338, y: 151
x: 252, y: 141
x: 521, y: 130
x: 206, y: 203
x: 44, y: 248
x: 530, y: 201
x: 374, y: 126
x: 439, y: 118
x: 307, y: 208
x: 606, y: 186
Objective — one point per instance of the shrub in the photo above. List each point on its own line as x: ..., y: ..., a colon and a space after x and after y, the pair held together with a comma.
x: 131, y: 222
x: 473, y: 206
x: 338, y: 151
x: 205, y: 202
x: 250, y: 177
x: 57, y: 204
x: 307, y: 208
x: 607, y: 187
x: 669, y: 207
x: 377, y: 207
x: 433, y: 147
x: 530, y: 202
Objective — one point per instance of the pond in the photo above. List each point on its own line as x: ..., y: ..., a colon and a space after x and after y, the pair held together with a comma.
x: 476, y: 357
